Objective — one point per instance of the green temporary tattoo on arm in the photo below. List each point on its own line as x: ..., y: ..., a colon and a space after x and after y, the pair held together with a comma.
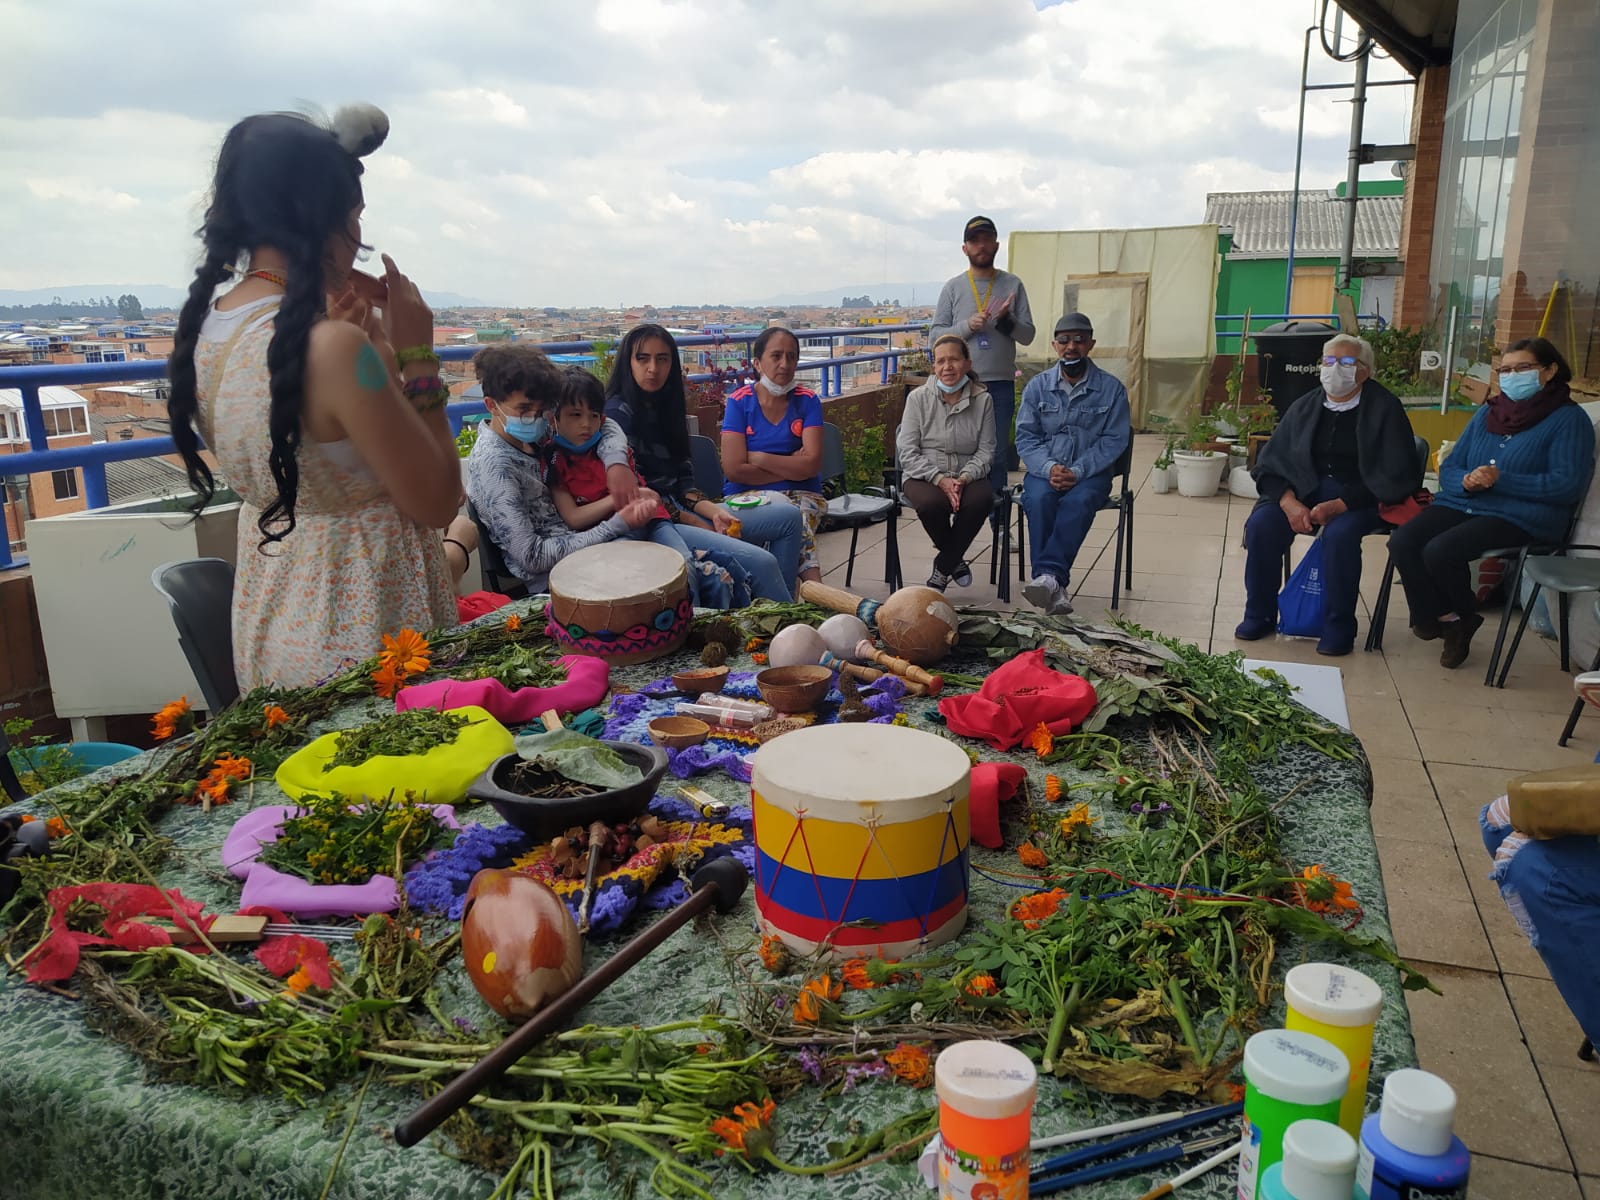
x: 371, y: 374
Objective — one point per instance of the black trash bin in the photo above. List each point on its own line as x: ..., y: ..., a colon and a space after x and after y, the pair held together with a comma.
x: 1289, y: 359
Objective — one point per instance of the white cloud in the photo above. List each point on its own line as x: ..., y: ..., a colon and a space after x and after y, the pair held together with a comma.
x: 663, y: 151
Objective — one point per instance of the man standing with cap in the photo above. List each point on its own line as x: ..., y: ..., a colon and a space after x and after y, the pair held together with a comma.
x: 989, y: 309
x: 1072, y: 427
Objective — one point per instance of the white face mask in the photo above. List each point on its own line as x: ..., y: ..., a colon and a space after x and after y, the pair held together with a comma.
x: 778, y: 390
x: 949, y: 389
x: 1339, y: 380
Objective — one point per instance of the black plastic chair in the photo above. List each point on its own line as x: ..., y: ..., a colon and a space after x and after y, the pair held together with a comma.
x: 200, y: 594
x: 1380, y: 606
x: 857, y: 510
x: 706, y: 460
x: 492, y: 559
x: 9, y: 781
x: 1120, y: 499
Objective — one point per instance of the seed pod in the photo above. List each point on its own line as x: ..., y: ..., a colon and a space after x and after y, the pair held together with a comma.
x: 519, y: 942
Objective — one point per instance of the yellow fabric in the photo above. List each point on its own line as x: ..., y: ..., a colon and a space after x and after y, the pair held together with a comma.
x: 441, y: 776
x: 835, y: 849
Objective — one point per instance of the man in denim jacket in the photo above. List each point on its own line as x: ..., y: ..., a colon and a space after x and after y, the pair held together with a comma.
x: 1072, y: 427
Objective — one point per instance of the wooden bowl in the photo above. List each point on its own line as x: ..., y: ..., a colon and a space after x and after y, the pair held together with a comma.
x: 678, y: 733
x: 706, y: 679
x: 794, y: 689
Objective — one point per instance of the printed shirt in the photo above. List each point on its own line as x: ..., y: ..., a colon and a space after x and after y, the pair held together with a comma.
x: 744, y: 415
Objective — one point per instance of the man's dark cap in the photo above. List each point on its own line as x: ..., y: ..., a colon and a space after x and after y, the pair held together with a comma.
x: 978, y: 225
x: 1074, y: 322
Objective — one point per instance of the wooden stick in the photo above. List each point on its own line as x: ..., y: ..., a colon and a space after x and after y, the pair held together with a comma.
x: 869, y: 674
x: 719, y: 883
x: 597, y: 839
x: 902, y: 668
x: 552, y: 720
x: 840, y: 600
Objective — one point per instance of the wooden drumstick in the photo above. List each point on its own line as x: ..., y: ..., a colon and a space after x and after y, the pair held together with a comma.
x: 869, y: 674
x: 840, y: 600
x: 902, y: 668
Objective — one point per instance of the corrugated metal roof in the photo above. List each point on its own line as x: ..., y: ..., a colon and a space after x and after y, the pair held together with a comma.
x: 138, y: 478
x: 1260, y: 222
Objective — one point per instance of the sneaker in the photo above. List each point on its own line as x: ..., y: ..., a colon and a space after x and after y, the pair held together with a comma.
x: 938, y: 581
x: 1062, y: 606
x: 1044, y: 592
x: 1458, y: 640
x: 1427, y: 630
x: 1253, y: 629
x: 1334, y: 648
x: 962, y: 576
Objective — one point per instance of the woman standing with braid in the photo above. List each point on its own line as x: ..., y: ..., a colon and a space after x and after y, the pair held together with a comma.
x: 327, y: 421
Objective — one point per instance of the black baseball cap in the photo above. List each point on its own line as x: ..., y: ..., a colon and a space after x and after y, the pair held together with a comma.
x: 978, y: 225
x: 1074, y: 322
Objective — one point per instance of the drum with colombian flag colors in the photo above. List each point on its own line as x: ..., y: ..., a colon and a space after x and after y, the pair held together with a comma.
x: 861, y: 839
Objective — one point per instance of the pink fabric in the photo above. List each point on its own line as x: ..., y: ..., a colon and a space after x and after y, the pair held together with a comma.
x: 587, y: 680
x: 992, y: 785
x: 267, y: 887
x: 479, y: 604
x: 1015, y: 698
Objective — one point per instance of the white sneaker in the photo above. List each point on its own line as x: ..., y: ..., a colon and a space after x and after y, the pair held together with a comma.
x: 1044, y: 592
x: 1062, y: 606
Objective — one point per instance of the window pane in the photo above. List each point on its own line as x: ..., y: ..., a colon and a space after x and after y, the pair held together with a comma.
x: 66, y: 484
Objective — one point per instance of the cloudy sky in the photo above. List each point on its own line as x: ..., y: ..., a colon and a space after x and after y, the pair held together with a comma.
x: 663, y: 151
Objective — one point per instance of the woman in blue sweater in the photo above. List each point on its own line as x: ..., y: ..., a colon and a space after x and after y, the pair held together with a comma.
x: 1515, y: 477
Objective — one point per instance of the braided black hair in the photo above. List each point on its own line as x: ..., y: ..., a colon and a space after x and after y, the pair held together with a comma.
x: 281, y: 181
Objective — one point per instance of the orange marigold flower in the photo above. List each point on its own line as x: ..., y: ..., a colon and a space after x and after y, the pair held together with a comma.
x: 911, y: 1063
x: 981, y: 985
x: 513, y: 623
x: 1039, y: 740
x: 735, y: 1131
x: 1324, y: 892
x: 56, y: 828
x: 407, y: 651
x: 808, y: 1001
x: 775, y: 956
x: 854, y: 974
x: 1033, y: 911
x: 759, y: 659
x: 275, y: 716
x: 173, y: 718
x: 219, y: 780
x: 1032, y: 856
x: 387, y: 680
x: 299, y: 981
x: 1052, y: 788
x: 1076, y: 821
x: 753, y: 644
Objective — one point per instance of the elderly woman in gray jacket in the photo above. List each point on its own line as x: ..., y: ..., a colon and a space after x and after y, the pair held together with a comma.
x: 944, y: 448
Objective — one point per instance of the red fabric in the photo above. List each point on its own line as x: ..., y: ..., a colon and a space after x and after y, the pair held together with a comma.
x: 584, y: 475
x: 1399, y: 514
x: 992, y: 785
x: 1016, y: 697
x: 285, y: 953
x: 478, y: 604
x: 123, y: 903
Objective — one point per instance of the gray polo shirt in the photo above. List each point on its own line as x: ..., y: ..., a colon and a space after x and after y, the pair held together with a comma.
x: 997, y: 360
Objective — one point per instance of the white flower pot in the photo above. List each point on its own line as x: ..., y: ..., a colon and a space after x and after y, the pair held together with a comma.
x: 1240, y: 484
x: 1199, y: 471
x: 1161, y: 480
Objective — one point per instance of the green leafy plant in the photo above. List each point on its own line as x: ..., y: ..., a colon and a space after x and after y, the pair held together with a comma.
x: 330, y: 840
x: 41, y: 763
x: 864, y: 455
x: 468, y: 437
x: 415, y: 731
x: 1396, y: 352
x: 1169, y: 429
x: 605, y: 356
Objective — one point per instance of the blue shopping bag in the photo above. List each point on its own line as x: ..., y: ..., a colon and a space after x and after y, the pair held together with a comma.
x: 1300, y: 604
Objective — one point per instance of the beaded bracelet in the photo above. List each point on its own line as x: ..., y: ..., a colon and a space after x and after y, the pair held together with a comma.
x: 438, y: 400
x: 413, y: 354
x: 422, y: 384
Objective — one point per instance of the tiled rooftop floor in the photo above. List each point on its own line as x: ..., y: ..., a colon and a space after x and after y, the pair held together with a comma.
x: 1441, y: 746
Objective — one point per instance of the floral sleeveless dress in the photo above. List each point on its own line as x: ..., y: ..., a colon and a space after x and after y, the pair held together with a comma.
x: 354, y: 568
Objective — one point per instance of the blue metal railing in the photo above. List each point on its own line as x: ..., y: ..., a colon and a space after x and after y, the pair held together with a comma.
x: 92, y: 459
x: 1259, y: 320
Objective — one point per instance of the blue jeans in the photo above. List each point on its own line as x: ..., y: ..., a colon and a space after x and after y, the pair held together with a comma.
x: 777, y: 525
x: 1059, y: 521
x: 1267, y: 537
x: 1004, y: 394
x: 1556, y: 883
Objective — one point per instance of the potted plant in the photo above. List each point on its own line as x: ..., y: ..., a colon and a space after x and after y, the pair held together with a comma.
x: 1259, y: 420
x: 1161, y: 469
x: 1201, y: 461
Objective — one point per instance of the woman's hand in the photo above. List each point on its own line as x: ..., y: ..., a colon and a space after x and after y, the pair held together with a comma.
x: 408, y: 321
x: 951, y: 487
x: 1327, y: 511
x: 1299, y: 515
x: 353, y: 309
x: 721, y: 519
x: 639, y: 513
x: 1481, y: 479
x: 623, y: 485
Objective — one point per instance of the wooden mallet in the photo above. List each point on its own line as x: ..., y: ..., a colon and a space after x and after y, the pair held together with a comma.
x: 899, y: 666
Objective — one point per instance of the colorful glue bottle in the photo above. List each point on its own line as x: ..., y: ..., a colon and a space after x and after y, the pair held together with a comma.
x: 1408, y: 1151
x: 1289, y: 1076
x: 1319, y: 1163
x: 986, y: 1092
x: 1341, y: 1005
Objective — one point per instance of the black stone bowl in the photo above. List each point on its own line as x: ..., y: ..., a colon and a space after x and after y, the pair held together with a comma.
x: 544, y: 817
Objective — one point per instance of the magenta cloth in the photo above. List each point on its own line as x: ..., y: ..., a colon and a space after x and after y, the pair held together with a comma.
x: 1017, y: 697
x: 268, y: 887
x: 587, y: 681
x: 479, y: 604
x: 992, y: 785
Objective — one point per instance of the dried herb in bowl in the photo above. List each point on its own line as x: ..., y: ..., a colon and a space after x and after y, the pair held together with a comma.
x: 331, y: 840
x: 413, y: 732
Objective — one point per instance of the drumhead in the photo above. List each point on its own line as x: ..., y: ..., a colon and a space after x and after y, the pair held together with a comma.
x: 618, y: 571
x: 833, y: 771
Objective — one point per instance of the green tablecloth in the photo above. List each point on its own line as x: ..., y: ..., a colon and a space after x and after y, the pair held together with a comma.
x: 82, y: 1120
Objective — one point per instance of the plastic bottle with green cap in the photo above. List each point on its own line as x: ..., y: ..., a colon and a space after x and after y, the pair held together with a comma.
x: 1341, y: 1005
x: 1289, y: 1076
x: 1319, y: 1163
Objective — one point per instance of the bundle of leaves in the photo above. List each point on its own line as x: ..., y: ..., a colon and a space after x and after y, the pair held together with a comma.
x: 330, y: 840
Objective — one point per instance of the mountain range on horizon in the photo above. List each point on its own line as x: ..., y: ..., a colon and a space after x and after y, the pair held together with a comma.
x: 163, y: 296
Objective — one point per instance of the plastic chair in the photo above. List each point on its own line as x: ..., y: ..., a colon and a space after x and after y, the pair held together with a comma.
x: 1566, y: 577
x: 1120, y: 499
x: 1380, y: 606
x: 200, y: 593
x: 9, y: 780
x: 856, y: 510
x: 492, y: 559
x: 707, y: 463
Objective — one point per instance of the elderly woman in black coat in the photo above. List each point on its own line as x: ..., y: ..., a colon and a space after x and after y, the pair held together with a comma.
x: 1339, y: 451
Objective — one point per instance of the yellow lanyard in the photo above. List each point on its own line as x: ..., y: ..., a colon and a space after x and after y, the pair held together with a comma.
x: 984, y: 303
